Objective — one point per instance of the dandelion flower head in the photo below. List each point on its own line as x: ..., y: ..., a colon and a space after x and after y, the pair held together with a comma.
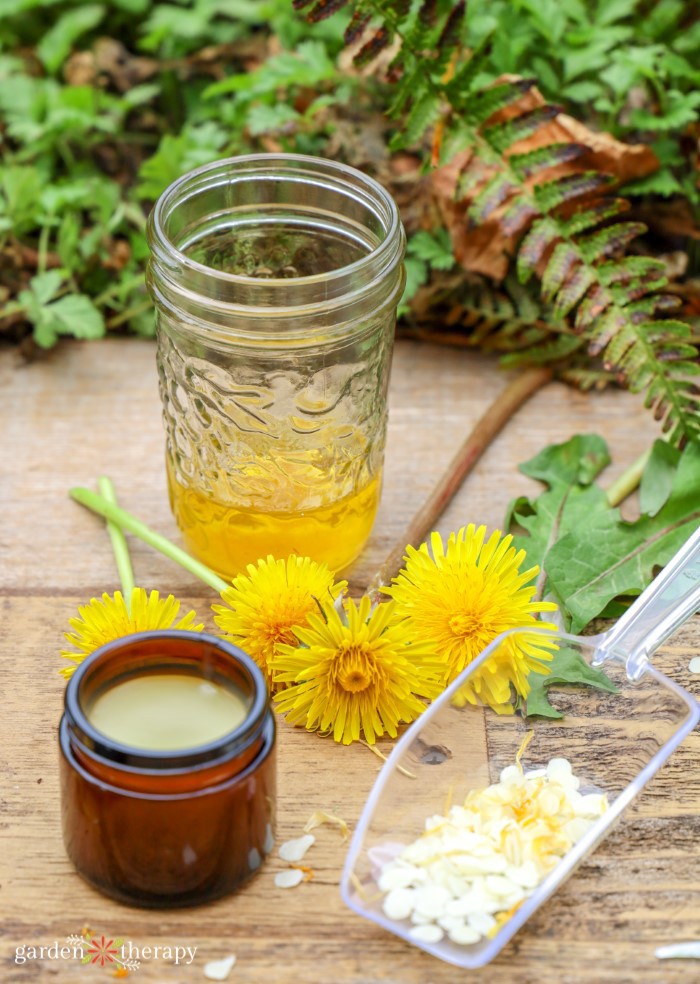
x: 361, y: 673
x: 263, y: 606
x: 108, y: 618
x: 459, y: 597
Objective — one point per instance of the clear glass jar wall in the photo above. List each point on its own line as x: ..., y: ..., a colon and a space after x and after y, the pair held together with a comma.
x: 276, y: 280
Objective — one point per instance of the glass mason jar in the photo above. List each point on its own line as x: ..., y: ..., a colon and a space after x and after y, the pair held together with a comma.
x: 276, y: 279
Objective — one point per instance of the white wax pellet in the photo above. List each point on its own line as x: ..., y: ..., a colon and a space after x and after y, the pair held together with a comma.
x: 464, y: 935
x: 430, y: 933
x: 420, y: 918
x: 593, y: 805
x: 397, y: 876
x: 511, y: 775
x: 549, y: 803
x: 484, y: 858
x: 294, y: 850
x: 449, y: 922
x: 694, y: 664
x: 499, y: 885
x: 526, y: 875
x: 464, y: 906
x: 576, y: 828
x: 289, y: 879
x: 431, y: 900
x: 218, y: 970
x: 559, y: 768
x: 482, y: 922
x: 399, y: 903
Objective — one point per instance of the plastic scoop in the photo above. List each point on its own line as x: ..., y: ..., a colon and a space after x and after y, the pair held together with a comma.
x: 447, y: 901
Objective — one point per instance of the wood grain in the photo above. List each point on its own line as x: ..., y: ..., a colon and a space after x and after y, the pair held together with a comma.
x: 85, y: 410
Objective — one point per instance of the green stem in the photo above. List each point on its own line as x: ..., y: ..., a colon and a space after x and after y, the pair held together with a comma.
x: 628, y: 480
x: 43, y: 249
x: 131, y: 312
x: 123, y: 286
x: 129, y: 522
x: 121, y: 550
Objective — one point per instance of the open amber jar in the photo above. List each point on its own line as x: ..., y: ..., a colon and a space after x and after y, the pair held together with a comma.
x: 276, y: 279
x: 173, y: 825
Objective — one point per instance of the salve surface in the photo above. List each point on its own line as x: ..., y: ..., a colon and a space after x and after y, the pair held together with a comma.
x: 167, y: 711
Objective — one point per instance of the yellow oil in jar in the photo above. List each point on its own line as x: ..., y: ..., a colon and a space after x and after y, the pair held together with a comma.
x: 227, y: 537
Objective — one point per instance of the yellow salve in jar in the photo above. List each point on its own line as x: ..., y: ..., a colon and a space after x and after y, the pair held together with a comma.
x: 276, y: 280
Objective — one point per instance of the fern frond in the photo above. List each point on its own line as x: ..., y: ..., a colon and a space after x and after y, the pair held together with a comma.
x: 518, y: 216
x: 372, y: 47
x: 463, y: 79
x: 324, y: 8
x: 493, y: 194
x: 358, y: 22
x: 561, y: 263
x: 586, y: 378
x: 482, y: 105
x: 610, y: 240
x: 501, y: 136
x: 551, y: 194
x: 543, y: 158
x: 540, y: 237
x: 565, y: 229
x: 553, y: 350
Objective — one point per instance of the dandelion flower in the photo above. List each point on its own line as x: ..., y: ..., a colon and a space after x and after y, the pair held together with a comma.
x: 459, y: 598
x: 104, y: 620
x: 364, y: 674
x: 263, y: 606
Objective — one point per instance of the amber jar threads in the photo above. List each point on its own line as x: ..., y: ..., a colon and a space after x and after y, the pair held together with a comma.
x: 168, y: 826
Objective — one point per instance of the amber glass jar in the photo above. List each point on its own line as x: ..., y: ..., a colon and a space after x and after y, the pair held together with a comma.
x: 167, y: 828
x: 276, y: 279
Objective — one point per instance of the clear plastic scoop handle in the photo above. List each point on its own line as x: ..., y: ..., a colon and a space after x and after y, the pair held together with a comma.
x: 671, y: 598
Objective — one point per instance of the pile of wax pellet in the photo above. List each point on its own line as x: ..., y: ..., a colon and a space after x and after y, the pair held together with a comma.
x: 471, y: 868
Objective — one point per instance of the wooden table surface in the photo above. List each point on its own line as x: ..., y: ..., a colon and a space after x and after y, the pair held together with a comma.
x: 89, y: 409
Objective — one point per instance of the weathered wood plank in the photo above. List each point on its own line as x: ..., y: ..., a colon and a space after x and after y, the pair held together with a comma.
x: 87, y: 410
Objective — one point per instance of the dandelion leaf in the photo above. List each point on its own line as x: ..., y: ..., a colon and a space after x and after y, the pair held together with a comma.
x: 657, y: 480
x: 607, y: 558
x: 567, y: 667
x: 568, y: 470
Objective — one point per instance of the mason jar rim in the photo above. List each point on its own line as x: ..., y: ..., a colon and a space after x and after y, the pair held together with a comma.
x: 344, y: 175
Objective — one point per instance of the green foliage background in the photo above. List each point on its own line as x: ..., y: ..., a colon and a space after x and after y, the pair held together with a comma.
x: 81, y: 162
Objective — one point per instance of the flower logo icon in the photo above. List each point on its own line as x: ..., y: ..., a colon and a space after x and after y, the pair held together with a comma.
x: 103, y: 951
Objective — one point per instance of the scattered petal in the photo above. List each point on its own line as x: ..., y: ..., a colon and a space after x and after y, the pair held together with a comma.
x: 289, y: 878
x: 307, y: 872
x: 689, y: 951
x: 320, y: 816
x: 218, y: 970
x: 294, y: 850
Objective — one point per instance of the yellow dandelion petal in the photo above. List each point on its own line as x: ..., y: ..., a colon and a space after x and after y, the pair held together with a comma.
x: 363, y: 675
x: 459, y: 597
x: 263, y: 607
x: 107, y: 618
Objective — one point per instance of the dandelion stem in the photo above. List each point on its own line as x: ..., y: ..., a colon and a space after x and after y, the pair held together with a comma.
x: 119, y: 546
x: 628, y: 480
x: 127, y: 521
x: 485, y: 430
